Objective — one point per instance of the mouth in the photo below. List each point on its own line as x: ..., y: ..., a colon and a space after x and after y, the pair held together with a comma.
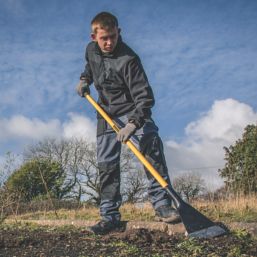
x: 109, y: 48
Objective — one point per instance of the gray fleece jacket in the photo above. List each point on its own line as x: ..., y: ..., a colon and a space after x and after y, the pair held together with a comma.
x: 121, y: 82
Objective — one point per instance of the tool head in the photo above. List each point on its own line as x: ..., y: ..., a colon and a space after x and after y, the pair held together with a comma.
x: 209, y: 232
x: 196, y: 224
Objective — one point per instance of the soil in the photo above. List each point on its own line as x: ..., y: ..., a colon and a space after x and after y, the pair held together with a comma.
x: 70, y: 241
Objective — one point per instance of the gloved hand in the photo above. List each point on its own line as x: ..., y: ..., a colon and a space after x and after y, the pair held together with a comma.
x: 125, y: 133
x: 83, y: 88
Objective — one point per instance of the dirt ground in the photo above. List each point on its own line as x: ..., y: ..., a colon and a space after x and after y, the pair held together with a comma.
x: 38, y: 241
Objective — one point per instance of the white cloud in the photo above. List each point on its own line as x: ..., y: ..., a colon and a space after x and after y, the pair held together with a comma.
x: 22, y: 128
x: 79, y: 126
x: 224, y: 121
x: 202, y: 150
x: 17, y: 132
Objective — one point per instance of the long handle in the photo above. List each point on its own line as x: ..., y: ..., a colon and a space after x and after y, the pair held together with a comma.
x: 196, y: 224
x: 133, y: 148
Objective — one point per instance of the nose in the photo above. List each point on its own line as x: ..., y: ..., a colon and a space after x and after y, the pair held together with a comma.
x: 109, y: 41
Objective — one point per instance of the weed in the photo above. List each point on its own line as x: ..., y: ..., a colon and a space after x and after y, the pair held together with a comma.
x: 191, y: 247
x: 119, y: 244
x: 126, y: 248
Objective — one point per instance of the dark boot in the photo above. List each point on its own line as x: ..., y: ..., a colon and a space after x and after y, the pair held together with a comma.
x: 104, y: 227
x: 167, y: 214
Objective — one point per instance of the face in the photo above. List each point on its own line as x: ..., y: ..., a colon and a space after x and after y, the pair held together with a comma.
x: 106, y: 39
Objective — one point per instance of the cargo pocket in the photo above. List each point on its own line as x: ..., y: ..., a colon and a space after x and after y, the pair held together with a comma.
x: 101, y: 127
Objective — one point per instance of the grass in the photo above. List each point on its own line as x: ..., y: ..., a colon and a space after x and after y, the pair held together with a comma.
x: 236, y: 245
x: 232, y: 210
x: 128, y: 211
x: 133, y: 212
x: 126, y: 248
x: 242, y: 209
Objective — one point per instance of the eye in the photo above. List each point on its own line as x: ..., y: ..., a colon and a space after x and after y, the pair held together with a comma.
x: 112, y: 36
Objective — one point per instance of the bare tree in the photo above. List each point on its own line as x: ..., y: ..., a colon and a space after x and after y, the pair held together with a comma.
x: 189, y: 185
x: 134, y: 181
x: 11, y: 161
x: 89, y: 171
x: 134, y: 186
x: 9, y: 201
x: 89, y: 184
x: 78, y: 162
x: 69, y: 153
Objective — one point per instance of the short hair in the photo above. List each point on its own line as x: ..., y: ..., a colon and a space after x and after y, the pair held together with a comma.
x: 104, y: 20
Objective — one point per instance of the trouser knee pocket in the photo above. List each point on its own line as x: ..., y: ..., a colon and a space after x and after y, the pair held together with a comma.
x: 109, y: 181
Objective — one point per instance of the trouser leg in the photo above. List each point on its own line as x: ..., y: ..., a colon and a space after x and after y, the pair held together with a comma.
x: 110, y: 191
x: 152, y: 148
x: 108, y: 156
x: 150, y: 144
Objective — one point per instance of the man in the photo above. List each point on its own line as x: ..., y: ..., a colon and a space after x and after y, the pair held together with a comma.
x: 125, y: 94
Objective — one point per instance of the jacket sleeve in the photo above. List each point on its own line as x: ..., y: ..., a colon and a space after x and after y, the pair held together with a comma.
x: 140, y: 91
x: 87, y: 73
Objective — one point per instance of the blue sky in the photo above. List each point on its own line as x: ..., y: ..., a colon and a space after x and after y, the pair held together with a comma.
x: 196, y: 54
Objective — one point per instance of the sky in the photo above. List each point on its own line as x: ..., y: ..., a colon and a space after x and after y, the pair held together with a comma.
x: 200, y: 58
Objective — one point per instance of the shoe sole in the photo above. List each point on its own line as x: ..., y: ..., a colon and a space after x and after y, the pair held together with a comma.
x: 119, y: 229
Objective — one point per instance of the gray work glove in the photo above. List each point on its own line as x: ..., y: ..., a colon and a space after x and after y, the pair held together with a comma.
x: 125, y: 133
x: 83, y: 88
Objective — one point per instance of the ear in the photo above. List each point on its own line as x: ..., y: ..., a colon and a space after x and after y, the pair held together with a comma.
x: 93, y: 36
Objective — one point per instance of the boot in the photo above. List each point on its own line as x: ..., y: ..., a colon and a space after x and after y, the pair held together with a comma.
x: 104, y: 227
x: 167, y: 214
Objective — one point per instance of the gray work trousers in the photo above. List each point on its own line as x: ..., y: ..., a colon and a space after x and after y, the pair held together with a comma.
x: 149, y: 143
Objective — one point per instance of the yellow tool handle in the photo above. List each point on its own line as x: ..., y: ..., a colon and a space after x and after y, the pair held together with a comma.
x: 132, y: 147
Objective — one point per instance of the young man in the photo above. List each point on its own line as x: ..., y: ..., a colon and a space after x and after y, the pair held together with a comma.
x: 125, y: 94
